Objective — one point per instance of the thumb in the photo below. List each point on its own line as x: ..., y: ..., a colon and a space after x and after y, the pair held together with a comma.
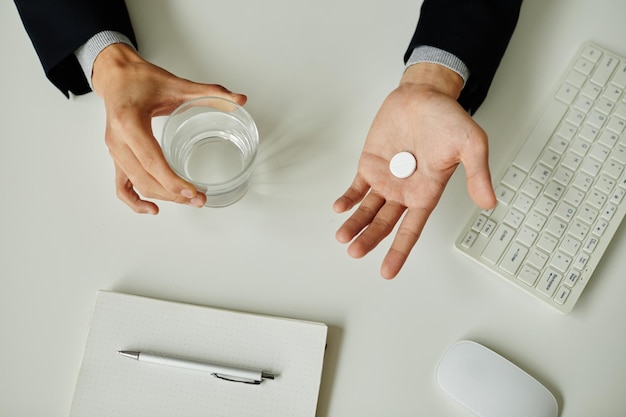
x: 478, y: 176
x: 195, y: 90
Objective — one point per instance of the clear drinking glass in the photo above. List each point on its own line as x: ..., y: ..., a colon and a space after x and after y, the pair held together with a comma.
x: 212, y: 142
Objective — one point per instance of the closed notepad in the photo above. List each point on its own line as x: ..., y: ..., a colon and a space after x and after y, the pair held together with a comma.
x: 110, y: 385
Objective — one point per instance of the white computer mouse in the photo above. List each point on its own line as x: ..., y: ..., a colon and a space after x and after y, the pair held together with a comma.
x: 491, y: 386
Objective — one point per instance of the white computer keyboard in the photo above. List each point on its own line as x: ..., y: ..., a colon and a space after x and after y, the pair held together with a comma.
x: 561, y: 199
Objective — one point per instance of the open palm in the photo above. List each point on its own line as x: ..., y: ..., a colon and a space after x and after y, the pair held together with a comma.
x: 438, y: 131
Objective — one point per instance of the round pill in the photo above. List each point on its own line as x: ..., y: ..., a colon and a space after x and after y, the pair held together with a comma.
x: 403, y: 164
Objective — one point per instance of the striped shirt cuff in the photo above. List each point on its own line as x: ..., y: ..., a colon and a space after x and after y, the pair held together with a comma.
x: 88, y: 52
x: 434, y: 55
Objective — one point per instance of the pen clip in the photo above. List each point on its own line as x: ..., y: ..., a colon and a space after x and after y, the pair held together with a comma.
x: 235, y: 379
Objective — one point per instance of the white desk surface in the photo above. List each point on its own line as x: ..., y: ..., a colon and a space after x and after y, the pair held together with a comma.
x: 315, y: 74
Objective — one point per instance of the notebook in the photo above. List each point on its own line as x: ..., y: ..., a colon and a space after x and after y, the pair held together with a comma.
x: 111, y: 385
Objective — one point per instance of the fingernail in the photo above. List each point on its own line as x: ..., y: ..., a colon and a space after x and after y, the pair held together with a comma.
x: 196, y: 202
x: 187, y: 193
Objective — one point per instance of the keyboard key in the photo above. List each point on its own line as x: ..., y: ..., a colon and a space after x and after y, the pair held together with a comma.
x: 554, y: 190
x: 565, y: 211
x: 591, y: 53
x: 563, y: 175
x: 513, y: 258
x: 541, y: 174
x: 617, y: 196
x: 576, y: 79
x: 469, y: 239
x: 583, y: 181
x: 570, y: 245
x: 599, y: 152
x: 605, y: 106
x: 571, y: 277
x: 574, y: 197
x: 523, y: 203
x: 572, y: 161
x: 587, y: 214
x: 584, y: 65
x: 556, y: 227
x: 504, y: 194
x: 514, y: 178
x: 605, y: 184
x: 488, y: 228
x: 596, y: 119
x: 591, y: 166
x: 561, y: 295
x: 616, y: 125
x: 528, y: 275
x: 590, y: 244
x: 591, y: 90
x: 600, y: 227
x: 527, y: 236
x: 608, y: 138
x: 561, y: 262
x: 497, y: 245
x: 545, y: 205
x: 613, y: 93
x: 609, y: 211
x: 513, y: 218
x: 614, y: 169
x: 550, y: 158
x: 579, y: 230
x: 537, y: 258
x: 567, y: 93
x: 547, y: 242
x: 575, y: 117
x: 581, y: 260
x: 596, y: 199
x: 619, y: 78
x: 532, y: 188
x: 619, y: 154
x: 536, y: 220
x: 605, y: 69
x: 588, y: 133
x: 548, y: 282
x: 558, y: 144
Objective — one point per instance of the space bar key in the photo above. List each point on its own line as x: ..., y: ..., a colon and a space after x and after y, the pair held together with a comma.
x: 540, y: 135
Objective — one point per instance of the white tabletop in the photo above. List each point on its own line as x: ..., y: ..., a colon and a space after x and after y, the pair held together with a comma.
x: 315, y: 74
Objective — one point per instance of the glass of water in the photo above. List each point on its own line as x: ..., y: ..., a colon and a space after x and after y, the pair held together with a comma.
x: 212, y: 142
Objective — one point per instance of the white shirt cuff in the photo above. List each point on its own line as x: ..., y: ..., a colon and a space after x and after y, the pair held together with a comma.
x: 434, y: 55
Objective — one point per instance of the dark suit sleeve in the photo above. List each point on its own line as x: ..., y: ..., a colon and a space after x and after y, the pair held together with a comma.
x: 58, y: 27
x: 476, y: 31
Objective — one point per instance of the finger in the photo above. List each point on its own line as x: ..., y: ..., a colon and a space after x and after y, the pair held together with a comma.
x: 361, y: 218
x: 143, y: 182
x: 378, y: 229
x: 126, y: 193
x: 477, y: 175
x: 408, y: 233
x: 144, y: 156
x: 194, y: 90
x: 358, y: 189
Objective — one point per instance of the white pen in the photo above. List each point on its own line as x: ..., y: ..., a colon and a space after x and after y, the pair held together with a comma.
x: 248, y: 376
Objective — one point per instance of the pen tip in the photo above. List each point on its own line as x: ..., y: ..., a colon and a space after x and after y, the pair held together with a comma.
x: 129, y: 354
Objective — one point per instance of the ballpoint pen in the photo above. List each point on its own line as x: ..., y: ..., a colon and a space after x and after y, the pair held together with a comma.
x: 228, y: 373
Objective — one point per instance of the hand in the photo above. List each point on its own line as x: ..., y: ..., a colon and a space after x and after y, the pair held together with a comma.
x: 421, y: 116
x: 134, y: 91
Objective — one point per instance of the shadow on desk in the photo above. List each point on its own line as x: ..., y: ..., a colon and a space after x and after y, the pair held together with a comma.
x: 331, y: 358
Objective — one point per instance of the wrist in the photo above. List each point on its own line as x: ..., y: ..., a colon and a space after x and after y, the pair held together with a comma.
x: 109, y: 64
x: 433, y: 77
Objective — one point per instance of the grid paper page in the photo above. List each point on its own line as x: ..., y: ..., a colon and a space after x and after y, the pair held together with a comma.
x: 111, y: 385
